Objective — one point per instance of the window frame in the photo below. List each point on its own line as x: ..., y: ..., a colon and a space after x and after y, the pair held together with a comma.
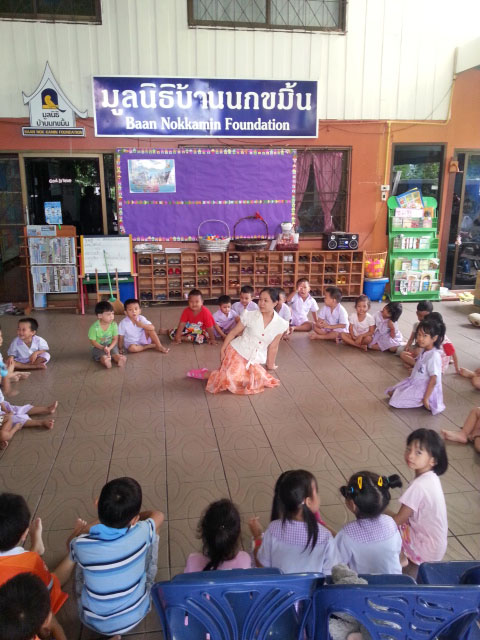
x: 267, y: 25
x: 49, y: 17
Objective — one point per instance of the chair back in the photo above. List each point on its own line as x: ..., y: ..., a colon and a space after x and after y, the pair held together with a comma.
x: 242, y: 604
x: 444, y: 572
x: 400, y: 612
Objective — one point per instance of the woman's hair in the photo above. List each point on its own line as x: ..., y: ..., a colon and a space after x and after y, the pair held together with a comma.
x: 429, y: 440
x: 370, y: 492
x: 272, y: 292
x: 363, y: 298
x: 291, y: 490
x: 219, y: 530
x: 433, y: 326
x: 395, y: 310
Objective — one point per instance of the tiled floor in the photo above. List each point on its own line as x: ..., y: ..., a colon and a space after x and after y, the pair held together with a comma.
x: 188, y: 448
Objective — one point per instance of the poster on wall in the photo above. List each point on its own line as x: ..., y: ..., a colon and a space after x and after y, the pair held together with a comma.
x: 151, y: 176
x: 222, y: 184
x: 53, y: 212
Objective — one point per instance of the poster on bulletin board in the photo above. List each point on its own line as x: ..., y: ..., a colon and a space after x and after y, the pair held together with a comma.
x: 164, y: 194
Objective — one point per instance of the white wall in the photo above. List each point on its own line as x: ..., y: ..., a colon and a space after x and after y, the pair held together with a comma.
x: 395, y: 62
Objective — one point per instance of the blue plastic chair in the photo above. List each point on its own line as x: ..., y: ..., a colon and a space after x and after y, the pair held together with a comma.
x: 242, y: 604
x: 400, y: 613
x: 444, y: 572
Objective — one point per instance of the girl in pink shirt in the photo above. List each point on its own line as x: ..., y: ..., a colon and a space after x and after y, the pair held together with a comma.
x: 219, y: 530
x: 423, y: 515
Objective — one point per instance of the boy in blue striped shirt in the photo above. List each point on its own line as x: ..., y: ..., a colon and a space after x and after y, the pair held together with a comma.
x: 117, y: 560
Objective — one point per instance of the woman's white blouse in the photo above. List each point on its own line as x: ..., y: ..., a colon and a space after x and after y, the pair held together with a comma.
x: 255, y: 339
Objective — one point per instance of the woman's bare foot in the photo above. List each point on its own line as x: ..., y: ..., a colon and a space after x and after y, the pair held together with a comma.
x: 454, y: 436
x: 36, y: 540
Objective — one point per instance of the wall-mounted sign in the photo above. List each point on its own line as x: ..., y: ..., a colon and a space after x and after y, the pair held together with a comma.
x: 130, y: 106
x: 53, y: 212
x: 51, y: 112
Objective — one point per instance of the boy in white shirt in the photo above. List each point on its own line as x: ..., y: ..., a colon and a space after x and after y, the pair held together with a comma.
x: 225, y: 317
x: 245, y: 303
x: 27, y: 350
x: 333, y: 318
x: 301, y: 304
x: 135, y: 332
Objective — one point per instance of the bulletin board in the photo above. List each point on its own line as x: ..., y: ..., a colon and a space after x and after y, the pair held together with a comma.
x: 164, y: 194
x: 119, y: 253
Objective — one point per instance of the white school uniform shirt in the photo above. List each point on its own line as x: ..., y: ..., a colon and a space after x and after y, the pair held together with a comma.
x: 226, y: 323
x: 285, y: 312
x: 19, y: 350
x: 255, y: 339
x: 360, y: 328
x: 338, y: 315
x: 130, y: 332
x: 239, y: 308
x: 429, y: 364
x: 301, y: 308
x: 2, y: 397
x: 283, y: 547
x: 369, y: 545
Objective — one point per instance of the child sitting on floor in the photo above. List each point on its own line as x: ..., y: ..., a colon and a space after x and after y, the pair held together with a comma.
x: 387, y: 335
x: 135, y: 332
x: 361, y: 325
x: 294, y: 541
x: 372, y: 542
x: 25, y: 612
x: 470, y: 431
x: 220, y: 532
x: 282, y: 307
x: 245, y: 303
x: 27, y: 350
x: 302, y: 303
x: 103, y: 336
x: 424, y: 386
x: 447, y: 350
x: 196, y: 322
x: 409, y: 353
x: 117, y: 559
x: 333, y: 317
x: 224, y: 318
x: 15, y: 526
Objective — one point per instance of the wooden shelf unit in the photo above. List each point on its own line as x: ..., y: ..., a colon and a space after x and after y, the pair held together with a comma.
x: 169, y: 277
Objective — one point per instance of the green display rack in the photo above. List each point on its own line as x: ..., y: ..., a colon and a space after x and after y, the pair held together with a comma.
x: 413, y: 255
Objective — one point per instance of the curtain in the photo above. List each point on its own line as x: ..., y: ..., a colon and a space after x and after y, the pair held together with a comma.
x: 327, y: 166
x: 304, y: 160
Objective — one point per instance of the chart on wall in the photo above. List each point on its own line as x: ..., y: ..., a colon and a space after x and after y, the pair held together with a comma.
x: 164, y: 194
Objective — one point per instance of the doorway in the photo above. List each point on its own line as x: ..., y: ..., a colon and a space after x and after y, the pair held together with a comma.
x: 463, y: 252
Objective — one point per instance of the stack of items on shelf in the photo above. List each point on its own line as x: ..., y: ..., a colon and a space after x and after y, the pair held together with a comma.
x: 413, y: 245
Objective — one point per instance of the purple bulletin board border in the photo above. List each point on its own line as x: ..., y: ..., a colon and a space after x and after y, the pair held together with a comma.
x: 169, y: 200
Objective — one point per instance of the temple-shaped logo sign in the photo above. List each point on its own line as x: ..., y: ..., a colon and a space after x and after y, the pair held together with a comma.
x: 51, y: 112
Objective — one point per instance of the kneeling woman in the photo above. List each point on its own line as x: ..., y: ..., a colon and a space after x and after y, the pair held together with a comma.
x: 252, y: 342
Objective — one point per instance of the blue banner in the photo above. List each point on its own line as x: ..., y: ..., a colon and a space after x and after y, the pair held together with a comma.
x: 127, y: 106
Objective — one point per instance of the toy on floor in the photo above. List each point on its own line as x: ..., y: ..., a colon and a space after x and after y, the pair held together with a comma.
x: 475, y: 319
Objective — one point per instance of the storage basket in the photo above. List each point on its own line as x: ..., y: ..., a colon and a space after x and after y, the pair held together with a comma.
x: 375, y: 264
x: 251, y: 244
x: 207, y: 243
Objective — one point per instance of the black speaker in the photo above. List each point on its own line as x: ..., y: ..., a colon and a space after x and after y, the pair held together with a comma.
x: 340, y: 240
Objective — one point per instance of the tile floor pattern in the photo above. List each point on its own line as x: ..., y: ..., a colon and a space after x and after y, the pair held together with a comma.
x: 188, y: 448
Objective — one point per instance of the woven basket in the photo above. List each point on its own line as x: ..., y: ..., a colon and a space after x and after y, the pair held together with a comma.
x: 251, y: 244
x: 375, y: 264
x: 219, y: 244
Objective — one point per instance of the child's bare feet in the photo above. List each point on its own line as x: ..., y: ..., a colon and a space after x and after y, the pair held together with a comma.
x: 106, y: 361
x: 48, y: 423
x: 53, y: 407
x: 79, y: 528
x: 466, y: 373
x: 36, y: 540
x: 162, y: 349
x: 364, y: 347
x: 454, y: 436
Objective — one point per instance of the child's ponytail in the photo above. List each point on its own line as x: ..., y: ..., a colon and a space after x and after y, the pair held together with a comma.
x: 291, y: 491
x: 219, y: 530
x: 370, y: 492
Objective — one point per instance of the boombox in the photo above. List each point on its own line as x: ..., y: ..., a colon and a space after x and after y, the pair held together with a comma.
x: 341, y: 240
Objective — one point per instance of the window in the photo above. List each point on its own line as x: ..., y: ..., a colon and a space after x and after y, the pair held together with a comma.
x: 323, y: 204
x: 303, y: 15
x: 417, y: 166
x: 52, y: 10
